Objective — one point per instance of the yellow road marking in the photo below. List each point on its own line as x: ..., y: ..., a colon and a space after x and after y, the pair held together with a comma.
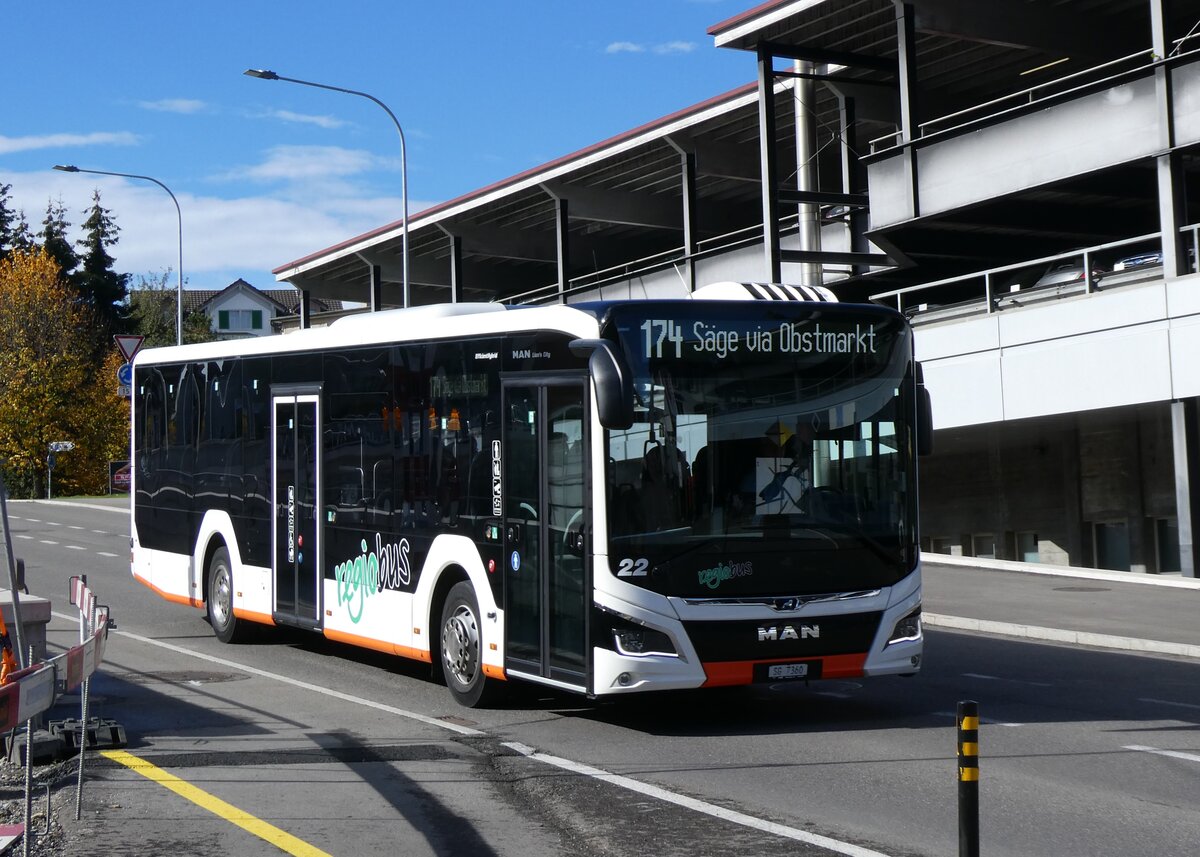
x: 280, y: 839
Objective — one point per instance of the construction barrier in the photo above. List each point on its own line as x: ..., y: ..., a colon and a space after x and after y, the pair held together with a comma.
x: 29, y: 692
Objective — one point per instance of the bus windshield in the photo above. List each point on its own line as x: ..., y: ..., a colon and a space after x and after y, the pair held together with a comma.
x: 772, y: 450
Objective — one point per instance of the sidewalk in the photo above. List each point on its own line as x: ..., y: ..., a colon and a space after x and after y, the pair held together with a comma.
x: 1087, y: 607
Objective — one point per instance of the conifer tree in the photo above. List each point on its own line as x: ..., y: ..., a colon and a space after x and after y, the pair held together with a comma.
x: 54, y: 238
x: 8, y: 222
x: 99, y: 285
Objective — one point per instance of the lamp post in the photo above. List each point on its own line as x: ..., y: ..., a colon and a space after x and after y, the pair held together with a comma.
x: 71, y: 168
x: 265, y: 74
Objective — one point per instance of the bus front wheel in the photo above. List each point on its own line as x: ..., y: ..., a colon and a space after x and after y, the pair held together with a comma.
x: 462, y: 649
x: 219, y: 599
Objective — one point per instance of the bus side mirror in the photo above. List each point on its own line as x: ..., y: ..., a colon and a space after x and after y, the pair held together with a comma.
x: 614, y: 386
x: 924, y: 416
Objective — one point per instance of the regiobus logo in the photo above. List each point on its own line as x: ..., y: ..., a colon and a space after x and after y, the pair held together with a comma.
x: 371, y: 572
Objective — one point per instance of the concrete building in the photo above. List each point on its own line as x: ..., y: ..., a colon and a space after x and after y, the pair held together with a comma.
x: 1020, y: 178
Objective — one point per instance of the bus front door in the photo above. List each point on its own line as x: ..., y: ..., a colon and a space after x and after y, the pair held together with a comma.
x: 297, y: 521
x: 546, y: 525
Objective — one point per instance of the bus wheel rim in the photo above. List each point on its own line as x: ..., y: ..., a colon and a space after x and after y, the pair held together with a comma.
x: 221, y: 596
x: 460, y: 645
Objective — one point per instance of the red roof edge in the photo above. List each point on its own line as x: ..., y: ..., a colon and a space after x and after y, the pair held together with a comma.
x: 611, y: 141
x: 730, y: 23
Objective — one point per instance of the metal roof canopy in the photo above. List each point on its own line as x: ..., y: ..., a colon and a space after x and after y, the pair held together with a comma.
x: 621, y: 202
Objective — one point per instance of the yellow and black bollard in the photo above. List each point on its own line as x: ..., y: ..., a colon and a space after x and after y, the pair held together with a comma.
x: 968, y: 779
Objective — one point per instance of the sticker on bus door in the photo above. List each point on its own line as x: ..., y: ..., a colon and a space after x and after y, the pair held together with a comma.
x: 496, y: 484
x: 291, y: 523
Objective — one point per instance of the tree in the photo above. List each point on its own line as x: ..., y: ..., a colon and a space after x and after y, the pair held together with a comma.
x: 54, y: 237
x: 153, y: 311
x: 98, y: 283
x: 7, y: 222
x: 22, y: 238
x: 51, y: 388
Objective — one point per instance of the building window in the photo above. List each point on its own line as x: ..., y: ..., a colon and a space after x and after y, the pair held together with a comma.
x: 1027, y: 547
x: 942, y: 544
x: 983, y: 546
x: 240, y: 319
x: 1111, y: 540
x: 1166, y: 532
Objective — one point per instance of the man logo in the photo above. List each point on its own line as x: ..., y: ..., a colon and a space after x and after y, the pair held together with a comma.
x: 774, y: 634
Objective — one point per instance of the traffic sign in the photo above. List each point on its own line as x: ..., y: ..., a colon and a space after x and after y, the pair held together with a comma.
x: 129, y: 345
x: 125, y: 374
x: 62, y: 446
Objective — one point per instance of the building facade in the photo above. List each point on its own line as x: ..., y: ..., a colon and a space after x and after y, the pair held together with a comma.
x: 1019, y: 178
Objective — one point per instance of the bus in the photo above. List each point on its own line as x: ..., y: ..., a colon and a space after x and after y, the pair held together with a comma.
x: 603, y: 497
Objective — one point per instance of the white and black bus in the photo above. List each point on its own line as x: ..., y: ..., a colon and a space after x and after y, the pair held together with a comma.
x: 603, y: 497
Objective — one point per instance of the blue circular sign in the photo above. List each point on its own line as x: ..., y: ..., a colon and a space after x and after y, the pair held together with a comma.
x: 515, y: 561
x: 125, y: 374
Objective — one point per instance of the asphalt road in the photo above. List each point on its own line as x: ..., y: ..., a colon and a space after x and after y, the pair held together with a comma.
x: 356, y: 753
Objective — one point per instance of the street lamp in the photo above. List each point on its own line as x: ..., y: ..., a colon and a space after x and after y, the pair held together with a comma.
x: 71, y: 168
x: 265, y: 74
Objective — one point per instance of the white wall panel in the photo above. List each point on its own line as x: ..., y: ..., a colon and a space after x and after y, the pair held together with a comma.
x: 1185, y: 357
x: 1083, y: 314
x: 953, y: 338
x: 1185, y: 82
x: 965, y: 390
x: 1081, y: 373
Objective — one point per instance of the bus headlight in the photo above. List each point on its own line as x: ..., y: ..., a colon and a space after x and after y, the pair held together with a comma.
x: 907, y: 629
x: 636, y: 641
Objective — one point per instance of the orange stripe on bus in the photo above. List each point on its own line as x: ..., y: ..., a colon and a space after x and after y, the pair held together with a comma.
x: 170, y: 596
x: 253, y: 616
x: 742, y: 672
x: 494, y: 672
x: 378, y: 645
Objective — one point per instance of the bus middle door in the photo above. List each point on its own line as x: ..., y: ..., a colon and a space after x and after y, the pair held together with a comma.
x: 297, y: 520
x: 546, y: 522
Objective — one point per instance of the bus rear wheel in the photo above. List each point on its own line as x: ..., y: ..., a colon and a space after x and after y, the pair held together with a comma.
x: 219, y: 599
x: 462, y: 649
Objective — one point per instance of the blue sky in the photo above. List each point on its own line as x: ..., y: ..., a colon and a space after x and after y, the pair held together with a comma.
x: 267, y: 171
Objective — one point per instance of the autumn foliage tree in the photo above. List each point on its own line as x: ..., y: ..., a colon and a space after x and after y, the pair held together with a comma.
x: 51, y: 386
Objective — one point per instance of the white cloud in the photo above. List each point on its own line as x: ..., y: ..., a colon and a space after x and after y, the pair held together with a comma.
x: 9, y: 145
x: 223, y: 239
x: 624, y: 48
x: 296, y: 163
x: 306, y: 118
x: 675, y: 48
x: 174, y: 105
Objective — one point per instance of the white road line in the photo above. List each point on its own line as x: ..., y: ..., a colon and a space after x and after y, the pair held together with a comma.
x: 33, y: 520
x: 303, y: 685
x: 624, y: 782
x: 1170, y: 754
x: 105, y: 553
x: 23, y: 536
x: 1169, y: 702
x: 74, y: 527
x: 715, y: 811
x: 1059, y: 635
x: 75, y: 548
x: 100, y: 532
x: 47, y: 542
x: 982, y: 677
x: 54, y: 523
x: 120, y: 510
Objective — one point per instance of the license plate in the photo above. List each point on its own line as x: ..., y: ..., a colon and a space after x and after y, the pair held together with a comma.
x: 787, y: 671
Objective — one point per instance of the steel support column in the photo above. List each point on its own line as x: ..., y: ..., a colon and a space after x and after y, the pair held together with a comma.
x: 1187, y: 480
x: 687, y: 165
x: 768, y: 169
x: 456, y: 266
x: 906, y: 46
x: 854, y: 180
x: 563, y: 246
x: 1169, y: 172
x: 375, y: 296
x: 304, y: 310
x: 804, y: 103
